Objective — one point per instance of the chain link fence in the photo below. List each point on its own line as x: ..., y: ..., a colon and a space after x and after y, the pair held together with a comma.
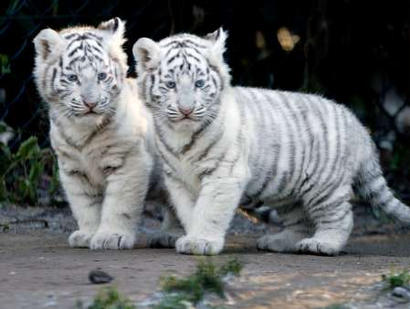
x: 343, y: 49
x: 21, y: 20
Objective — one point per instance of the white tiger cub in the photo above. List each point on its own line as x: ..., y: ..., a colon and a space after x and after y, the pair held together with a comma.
x: 299, y: 152
x: 99, y: 129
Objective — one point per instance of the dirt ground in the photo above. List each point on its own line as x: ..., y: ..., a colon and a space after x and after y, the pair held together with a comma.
x: 39, y: 270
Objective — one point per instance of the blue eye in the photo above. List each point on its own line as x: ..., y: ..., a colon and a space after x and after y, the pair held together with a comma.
x: 102, y: 76
x: 199, y: 83
x: 72, y: 77
x: 170, y: 85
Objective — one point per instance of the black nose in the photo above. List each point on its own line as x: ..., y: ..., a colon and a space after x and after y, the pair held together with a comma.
x: 185, y: 110
x: 90, y: 105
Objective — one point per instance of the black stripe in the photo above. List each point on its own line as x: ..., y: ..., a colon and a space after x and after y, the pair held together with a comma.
x: 173, y: 58
x: 290, y: 132
x: 53, y: 78
x: 324, y: 208
x: 304, y: 175
x: 151, y: 88
x: 165, y: 159
x: 332, y: 221
x: 91, y: 58
x: 177, y: 43
x: 262, y: 158
x: 338, y: 156
x: 210, y: 171
x: 74, y: 51
x: 194, y: 137
x: 193, y: 57
x: 212, y: 143
x: 188, y: 41
x: 70, y: 36
x: 75, y: 60
x: 301, y: 129
x: 97, y: 50
x: 162, y: 140
x: 337, y: 166
x: 99, y: 38
x: 317, y: 168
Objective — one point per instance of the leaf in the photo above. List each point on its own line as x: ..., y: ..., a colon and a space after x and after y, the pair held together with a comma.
x: 3, y: 190
x: 28, y: 148
x: 36, y: 169
x: 21, y: 192
x: 31, y: 195
x: 5, y: 158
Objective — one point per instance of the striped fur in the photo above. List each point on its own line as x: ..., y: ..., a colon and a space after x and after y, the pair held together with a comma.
x: 298, y: 152
x: 104, y: 153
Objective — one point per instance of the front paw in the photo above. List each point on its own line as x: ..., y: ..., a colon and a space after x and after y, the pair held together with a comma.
x: 198, y: 246
x: 317, y: 247
x: 106, y: 239
x: 80, y: 239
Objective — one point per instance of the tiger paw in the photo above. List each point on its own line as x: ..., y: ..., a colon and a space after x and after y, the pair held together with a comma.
x: 80, y: 239
x: 317, y: 247
x: 198, y: 246
x: 112, y: 240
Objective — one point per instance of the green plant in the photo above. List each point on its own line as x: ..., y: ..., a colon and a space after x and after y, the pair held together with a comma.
x: 395, y: 279
x: 108, y: 298
x: 180, y: 292
x: 27, y: 173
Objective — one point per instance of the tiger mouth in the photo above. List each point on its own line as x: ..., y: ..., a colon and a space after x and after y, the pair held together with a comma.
x: 90, y: 113
x: 185, y: 119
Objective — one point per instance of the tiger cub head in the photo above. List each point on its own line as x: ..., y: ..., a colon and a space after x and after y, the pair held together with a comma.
x: 182, y: 77
x: 80, y: 71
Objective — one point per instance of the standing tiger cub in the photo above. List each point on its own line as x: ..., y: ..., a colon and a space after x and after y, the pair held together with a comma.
x: 99, y: 130
x: 299, y: 152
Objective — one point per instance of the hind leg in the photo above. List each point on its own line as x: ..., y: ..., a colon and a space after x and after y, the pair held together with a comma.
x: 333, y: 220
x: 295, y: 229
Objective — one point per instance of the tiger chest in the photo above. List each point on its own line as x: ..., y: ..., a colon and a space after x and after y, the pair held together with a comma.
x: 187, y: 172
x: 94, y: 162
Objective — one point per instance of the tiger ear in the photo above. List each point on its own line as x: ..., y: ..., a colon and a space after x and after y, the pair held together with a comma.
x: 147, y: 54
x: 218, y: 39
x: 114, y: 27
x: 217, y: 48
x: 48, y: 44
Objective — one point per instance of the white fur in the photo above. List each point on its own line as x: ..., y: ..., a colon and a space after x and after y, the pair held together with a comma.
x: 299, y: 153
x: 118, y: 165
x: 105, y: 159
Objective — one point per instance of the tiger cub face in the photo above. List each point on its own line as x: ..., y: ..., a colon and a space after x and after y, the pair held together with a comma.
x: 182, y: 77
x: 80, y: 70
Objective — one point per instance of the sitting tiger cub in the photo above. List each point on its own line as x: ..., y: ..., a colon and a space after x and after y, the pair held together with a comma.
x: 301, y: 153
x: 99, y: 130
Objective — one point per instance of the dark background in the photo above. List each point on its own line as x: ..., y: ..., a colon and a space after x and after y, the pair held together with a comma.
x: 355, y: 52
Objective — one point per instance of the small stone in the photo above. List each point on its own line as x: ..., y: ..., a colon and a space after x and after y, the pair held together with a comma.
x: 99, y: 277
x: 401, y: 292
